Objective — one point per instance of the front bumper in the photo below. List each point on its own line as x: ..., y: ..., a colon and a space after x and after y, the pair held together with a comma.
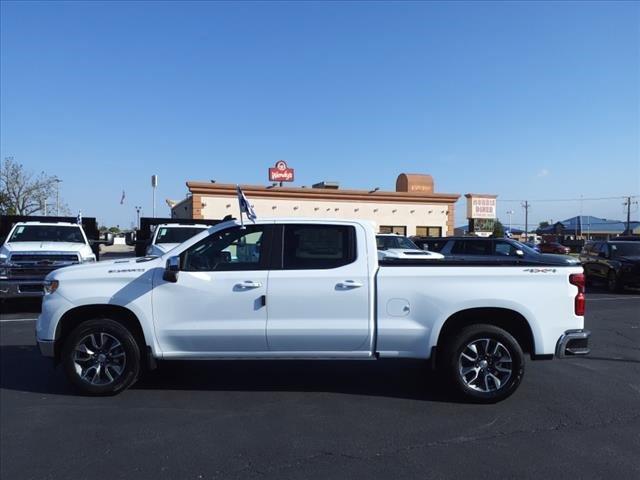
x: 572, y: 343
x: 21, y: 288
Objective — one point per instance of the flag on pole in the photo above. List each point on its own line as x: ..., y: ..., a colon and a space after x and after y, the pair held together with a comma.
x: 245, y: 206
x: 122, y: 198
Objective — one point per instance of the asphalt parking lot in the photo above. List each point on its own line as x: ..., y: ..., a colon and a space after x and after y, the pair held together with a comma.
x: 282, y: 420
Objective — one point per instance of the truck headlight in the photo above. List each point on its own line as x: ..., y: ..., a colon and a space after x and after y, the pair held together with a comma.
x: 50, y: 286
x: 89, y: 259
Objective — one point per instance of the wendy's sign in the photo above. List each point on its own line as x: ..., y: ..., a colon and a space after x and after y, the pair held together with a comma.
x: 281, y: 173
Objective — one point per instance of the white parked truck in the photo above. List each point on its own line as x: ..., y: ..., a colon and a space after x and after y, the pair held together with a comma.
x: 309, y: 289
x: 168, y: 236
x: 33, y: 249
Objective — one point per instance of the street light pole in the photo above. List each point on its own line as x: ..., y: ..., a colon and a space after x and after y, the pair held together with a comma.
x: 138, y: 209
x: 57, y: 180
x: 526, y: 205
x: 510, y: 212
x: 154, y: 185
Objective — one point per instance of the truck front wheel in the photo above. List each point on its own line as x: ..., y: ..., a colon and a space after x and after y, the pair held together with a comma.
x: 483, y: 363
x: 101, y: 357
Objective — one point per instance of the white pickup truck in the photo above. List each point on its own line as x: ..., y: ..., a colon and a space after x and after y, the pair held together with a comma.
x: 33, y: 249
x: 309, y: 289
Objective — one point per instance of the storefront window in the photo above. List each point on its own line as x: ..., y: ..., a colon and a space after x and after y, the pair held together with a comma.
x: 397, y: 229
x: 429, y: 231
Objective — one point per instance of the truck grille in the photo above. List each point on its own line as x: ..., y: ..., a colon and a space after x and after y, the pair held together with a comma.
x: 36, y: 266
x: 48, y: 257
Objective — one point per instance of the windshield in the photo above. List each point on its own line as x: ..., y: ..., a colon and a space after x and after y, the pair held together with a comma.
x: 47, y: 233
x: 177, y: 234
x: 385, y: 243
x: 625, y: 249
x: 526, y: 248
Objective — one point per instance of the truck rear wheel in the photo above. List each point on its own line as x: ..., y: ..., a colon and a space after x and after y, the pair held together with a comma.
x: 613, y: 283
x: 483, y: 363
x: 101, y: 357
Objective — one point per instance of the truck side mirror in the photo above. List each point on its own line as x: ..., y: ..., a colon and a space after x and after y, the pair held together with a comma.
x: 171, y: 270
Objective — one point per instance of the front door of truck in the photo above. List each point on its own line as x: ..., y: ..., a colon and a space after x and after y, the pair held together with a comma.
x: 318, y: 298
x: 216, y: 307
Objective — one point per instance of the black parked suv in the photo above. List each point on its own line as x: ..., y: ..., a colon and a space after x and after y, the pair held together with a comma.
x: 615, y: 262
x: 489, y: 250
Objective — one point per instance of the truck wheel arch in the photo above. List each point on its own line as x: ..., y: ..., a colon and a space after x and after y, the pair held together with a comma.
x: 510, y: 320
x: 74, y: 317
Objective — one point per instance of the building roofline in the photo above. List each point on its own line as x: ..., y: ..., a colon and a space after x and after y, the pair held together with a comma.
x: 260, y: 191
x: 488, y: 195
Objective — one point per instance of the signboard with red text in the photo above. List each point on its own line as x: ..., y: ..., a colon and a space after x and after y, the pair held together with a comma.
x: 281, y: 172
x: 481, y: 206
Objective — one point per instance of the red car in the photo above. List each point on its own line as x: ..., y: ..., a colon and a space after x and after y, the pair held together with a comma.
x: 554, y: 247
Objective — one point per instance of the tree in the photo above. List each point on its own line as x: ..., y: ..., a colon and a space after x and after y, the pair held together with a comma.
x: 543, y: 225
x: 22, y: 192
x: 114, y: 230
x: 498, y: 229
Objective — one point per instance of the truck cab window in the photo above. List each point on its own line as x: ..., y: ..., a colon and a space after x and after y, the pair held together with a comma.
x: 227, y: 250
x: 318, y: 246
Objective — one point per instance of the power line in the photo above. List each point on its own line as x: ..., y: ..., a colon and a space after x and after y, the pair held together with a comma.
x: 622, y: 197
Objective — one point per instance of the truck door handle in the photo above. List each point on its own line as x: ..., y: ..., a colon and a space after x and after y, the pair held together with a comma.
x: 248, y: 284
x: 348, y: 284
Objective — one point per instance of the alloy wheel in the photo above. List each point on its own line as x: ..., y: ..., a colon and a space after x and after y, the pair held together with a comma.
x: 99, y: 359
x: 485, y: 365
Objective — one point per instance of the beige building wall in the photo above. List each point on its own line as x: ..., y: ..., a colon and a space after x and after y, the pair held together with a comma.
x: 409, y: 215
x: 414, y: 204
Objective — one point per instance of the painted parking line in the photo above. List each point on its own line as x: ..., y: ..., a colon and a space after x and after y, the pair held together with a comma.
x: 7, y: 320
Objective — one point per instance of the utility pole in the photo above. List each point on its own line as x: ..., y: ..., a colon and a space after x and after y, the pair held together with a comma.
x: 627, y: 204
x: 526, y: 206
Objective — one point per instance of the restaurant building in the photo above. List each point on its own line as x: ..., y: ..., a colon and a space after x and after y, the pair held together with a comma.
x: 414, y: 208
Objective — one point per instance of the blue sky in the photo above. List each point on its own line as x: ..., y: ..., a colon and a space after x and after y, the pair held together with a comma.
x: 525, y: 100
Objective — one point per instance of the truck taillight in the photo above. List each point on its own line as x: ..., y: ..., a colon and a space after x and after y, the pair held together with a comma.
x: 577, y: 279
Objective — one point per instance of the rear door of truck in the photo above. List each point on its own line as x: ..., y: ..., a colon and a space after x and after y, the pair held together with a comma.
x: 318, y: 298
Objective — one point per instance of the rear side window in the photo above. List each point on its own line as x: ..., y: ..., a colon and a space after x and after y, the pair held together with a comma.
x: 318, y: 246
x: 431, y: 245
x: 505, y: 249
x: 471, y: 247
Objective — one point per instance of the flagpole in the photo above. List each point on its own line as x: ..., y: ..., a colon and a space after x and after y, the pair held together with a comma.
x: 242, y: 227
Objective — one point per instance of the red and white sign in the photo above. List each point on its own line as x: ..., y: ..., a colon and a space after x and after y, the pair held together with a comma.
x: 281, y: 173
x: 481, y: 206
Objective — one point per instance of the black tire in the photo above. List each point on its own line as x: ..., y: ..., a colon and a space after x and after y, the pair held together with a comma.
x: 613, y: 282
x: 588, y: 281
x: 116, y: 356
x: 483, y: 388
